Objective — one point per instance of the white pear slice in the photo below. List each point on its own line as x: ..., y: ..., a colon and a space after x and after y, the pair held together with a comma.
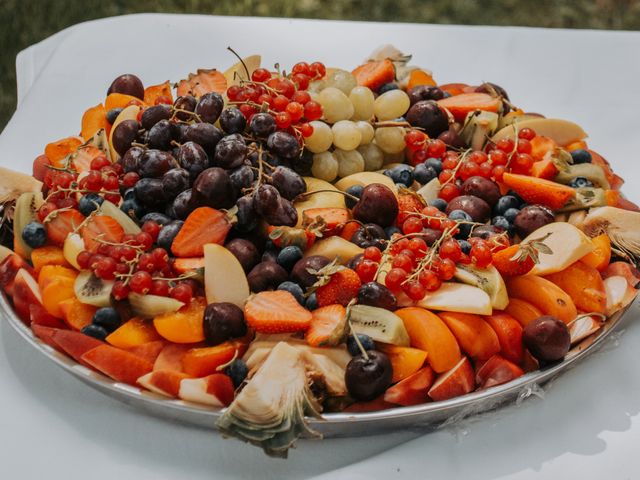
x: 563, y: 132
x: 489, y: 280
x: 150, y: 306
x: 4, y: 252
x: 429, y: 192
x: 364, y: 179
x: 335, y: 247
x: 129, y: 113
x: 513, y: 117
x: 583, y: 327
x: 73, y: 245
x: 453, y: 297
x: 567, y: 243
x: 128, y: 225
x: 237, y: 71
x: 323, y: 199
x: 619, y: 294
x: 195, y: 390
x: 224, y: 278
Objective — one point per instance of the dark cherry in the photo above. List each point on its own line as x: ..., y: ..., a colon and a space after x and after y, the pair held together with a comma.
x: 547, y: 338
x: 377, y: 204
x: 377, y: 295
x: 128, y: 84
x: 266, y: 276
x: 245, y: 251
x: 482, y: 188
x: 300, y: 272
x: 223, y: 321
x: 368, y: 377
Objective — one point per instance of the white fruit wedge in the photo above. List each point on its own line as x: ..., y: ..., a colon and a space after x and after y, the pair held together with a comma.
x: 452, y: 297
x: 563, y: 132
x: 199, y: 390
x: 151, y: 306
x: 335, y: 247
x: 619, y: 294
x: 129, y: 113
x: 429, y: 192
x: 323, y: 199
x: 567, y: 243
x: 489, y: 280
x: 4, y: 252
x: 363, y: 179
x: 238, y: 71
x: 163, y: 382
x: 224, y: 278
x: 73, y: 245
x: 583, y: 327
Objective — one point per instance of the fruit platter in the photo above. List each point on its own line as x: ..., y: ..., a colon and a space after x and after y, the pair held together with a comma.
x: 283, y: 254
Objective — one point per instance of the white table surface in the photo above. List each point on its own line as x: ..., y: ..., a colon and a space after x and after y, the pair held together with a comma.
x: 52, y: 426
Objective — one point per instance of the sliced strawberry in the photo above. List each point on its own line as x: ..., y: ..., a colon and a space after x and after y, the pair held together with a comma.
x: 539, y: 190
x: 544, y: 168
x: 407, y: 204
x: 204, y: 81
x: 510, y: 262
x: 276, y: 312
x: 342, y: 287
x: 283, y: 236
x: 328, y: 326
x: 61, y: 223
x: 461, y: 105
x: 329, y: 220
x: 375, y: 74
x: 81, y: 160
x: 203, y: 225
x: 101, y: 227
x: 184, y: 265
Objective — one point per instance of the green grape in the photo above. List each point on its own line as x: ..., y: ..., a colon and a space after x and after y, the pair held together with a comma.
x: 390, y: 139
x: 391, y: 104
x: 336, y: 105
x: 363, y: 100
x: 342, y: 80
x: 372, y: 155
x: 321, y: 138
x: 346, y: 135
x: 366, y: 131
x: 325, y: 166
x: 349, y: 162
x: 317, y: 86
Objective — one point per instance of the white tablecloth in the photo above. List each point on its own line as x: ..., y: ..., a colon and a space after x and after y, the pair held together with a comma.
x: 53, y: 426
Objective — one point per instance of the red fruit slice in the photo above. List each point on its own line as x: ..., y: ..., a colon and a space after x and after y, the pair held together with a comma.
x: 539, y: 190
x: 509, y: 333
x: 61, y: 223
x: 276, y: 312
x: 75, y: 344
x: 371, y: 406
x: 101, y: 227
x: 221, y: 386
x: 375, y: 74
x: 148, y: 351
x: 45, y: 334
x: 170, y: 358
x: 204, y: 81
x: 9, y: 268
x: 184, y: 265
x: 461, y: 105
x: 330, y: 220
x: 327, y: 325
x: 413, y: 389
x: 40, y: 317
x: 496, y: 371
x: 203, y: 225
x: 25, y: 293
x: 166, y: 381
x: 118, y: 364
x: 457, y: 381
x: 154, y: 92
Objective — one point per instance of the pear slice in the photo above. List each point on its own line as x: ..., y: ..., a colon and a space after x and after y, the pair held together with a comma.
x: 453, y: 297
x: 5, y: 252
x: 237, y: 71
x: 568, y: 244
x: 563, y: 132
x: 129, y: 113
x: 73, y: 245
x: 224, y: 278
x: 514, y: 117
x: 151, y: 306
x: 364, y: 179
x: 619, y: 294
x: 429, y: 192
x: 489, y: 280
x: 324, y: 199
x: 335, y: 247
x: 24, y: 212
x: 129, y: 226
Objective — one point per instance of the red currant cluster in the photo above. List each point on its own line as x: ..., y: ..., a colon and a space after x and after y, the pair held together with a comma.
x: 285, y: 96
x: 420, y: 147
x: 137, y: 267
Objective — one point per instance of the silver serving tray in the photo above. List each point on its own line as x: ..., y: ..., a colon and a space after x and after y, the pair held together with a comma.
x: 425, y: 416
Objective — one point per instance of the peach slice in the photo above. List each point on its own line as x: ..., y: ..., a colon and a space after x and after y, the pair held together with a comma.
x: 133, y: 333
x: 405, y: 361
x: 39, y: 316
x: 170, y: 358
x: 509, y: 333
x: 75, y: 344
x: 544, y: 295
x: 148, y: 351
x: 118, y: 364
x: 413, y: 389
x: 76, y: 314
x: 583, y: 284
x: 476, y: 338
x: 185, y: 325
x: 199, y: 362
x: 455, y: 382
x: 496, y: 371
x: 25, y: 293
x: 522, y: 311
x: 601, y: 255
x: 428, y: 332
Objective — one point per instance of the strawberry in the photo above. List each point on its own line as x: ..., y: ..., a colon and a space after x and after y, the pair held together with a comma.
x: 341, y: 286
x: 61, y: 223
x: 277, y: 311
x: 519, y: 259
x: 328, y: 326
x: 203, y: 225
x: 329, y: 221
x: 101, y: 227
x: 287, y: 236
x: 408, y: 203
x: 375, y: 74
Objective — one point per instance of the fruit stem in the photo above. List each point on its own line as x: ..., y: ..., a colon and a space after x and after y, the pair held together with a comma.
x: 241, y: 61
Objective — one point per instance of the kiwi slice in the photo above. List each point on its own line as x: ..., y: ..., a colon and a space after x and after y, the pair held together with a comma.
x: 27, y: 206
x: 92, y: 290
x: 380, y: 324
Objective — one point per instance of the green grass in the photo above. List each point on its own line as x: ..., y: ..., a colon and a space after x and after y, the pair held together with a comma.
x: 24, y: 22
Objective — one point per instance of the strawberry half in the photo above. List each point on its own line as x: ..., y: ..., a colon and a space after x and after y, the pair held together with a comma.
x: 101, y: 227
x: 203, y: 225
x: 408, y: 203
x: 276, y: 312
x: 61, y: 223
x: 341, y: 288
x: 328, y: 326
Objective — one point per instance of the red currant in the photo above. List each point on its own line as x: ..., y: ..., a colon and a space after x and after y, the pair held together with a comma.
x: 414, y: 290
x: 83, y: 259
x: 295, y: 111
x: 477, y: 157
x: 306, y: 129
x: 498, y: 157
x: 144, y: 240
x: 283, y: 120
x: 99, y: 162
x: 120, y: 290
x: 301, y: 67
x: 140, y: 282
x: 312, y: 110
x: 527, y: 134
x: 506, y: 145
x: 394, y: 279
x: 412, y: 225
x: 259, y: 75
x: 429, y: 280
x: 481, y: 255
x: 468, y: 169
x: 366, y: 270
x: 301, y: 81
x: 317, y: 70
x: 129, y: 179
x: 106, y: 268
x: 402, y: 261
x: 436, y: 148
x: 301, y: 96
x: 450, y: 248
x: 449, y: 191
x: 159, y: 287
x: 498, y: 172
x: 160, y: 258
x: 182, y: 292
x: 418, y: 246
x: 152, y: 228
x: 524, y: 146
x: 280, y: 103
x: 414, y: 139
x: 372, y: 253
x: 485, y: 170
x: 446, y: 269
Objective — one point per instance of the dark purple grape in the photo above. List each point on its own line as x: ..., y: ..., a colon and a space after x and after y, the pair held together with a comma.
x: 493, y: 89
x: 133, y: 208
x: 223, y: 321
x: 188, y: 104
x: 209, y: 107
x: 128, y: 84
x: 159, y: 218
x: 213, y: 188
x: 283, y: 144
x: 478, y: 209
x: 193, y: 159
x: 547, y: 338
x: 288, y: 182
x: 130, y: 161
x: 377, y: 204
x: 368, y: 377
x: 377, y: 295
x: 184, y: 204
x: 355, y: 261
x: 430, y: 235
x: 149, y: 192
x: 230, y: 153
x: 262, y: 125
x: 531, y: 218
x: 302, y: 165
x: 175, y: 181
x: 424, y: 92
x: 232, y: 120
x: 160, y: 135
x: 155, y: 163
x: 370, y: 235
x: 245, y: 251
x: 429, y: 116
x: 266, y: 199
x: 124, y: 135
x: 268, y: 157
x: 153, y: 115
x: 482, y: 188
x: 246, y: 215
x: 204, y: 134
x: 242, y: 177
x: 301, y: 274
x: 452, y: 138
x: 266, y: 276
x: 285, y: 215
x: 168, y: 233
x: 485, y: 231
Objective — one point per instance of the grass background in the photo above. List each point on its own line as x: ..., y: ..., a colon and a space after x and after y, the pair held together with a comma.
x: 24, y: 22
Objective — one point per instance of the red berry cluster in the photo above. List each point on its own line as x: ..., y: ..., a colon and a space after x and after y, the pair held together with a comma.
x: 137, y: 267
x: 285, y: 96
x: 421, y: 148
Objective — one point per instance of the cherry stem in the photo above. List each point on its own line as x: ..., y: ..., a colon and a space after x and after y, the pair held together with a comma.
x: 241, y: 61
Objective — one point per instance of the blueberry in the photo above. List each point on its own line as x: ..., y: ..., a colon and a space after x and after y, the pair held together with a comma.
x: 132, y: 208
x: 391, y: 230
x: 511, y: 214
x: 581, y: 156
x: 356, y: 191
x: 465, y: 246
x: 95, y: 331
x: 312, y: 302
x: 160, y: 218
x: 387, y: 87
x: 518, y: 197
x: 402, y: 174
x: 34, y: 234
x: 365, y: 340
x: 113, y: 114
x: 294, y: 289
x: 501, y: 222
x: 505, y: 203
x: 168, y: 233
x: 423, y: 174
x: 238, y: 371
x: 129, y: 193
x: 108, y: 318
x: 464, y: 228
x: 439, y: 203
x: 288, y: 257
x: 580, y: 182
x: 89, y: 202
x: 434, y: 163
